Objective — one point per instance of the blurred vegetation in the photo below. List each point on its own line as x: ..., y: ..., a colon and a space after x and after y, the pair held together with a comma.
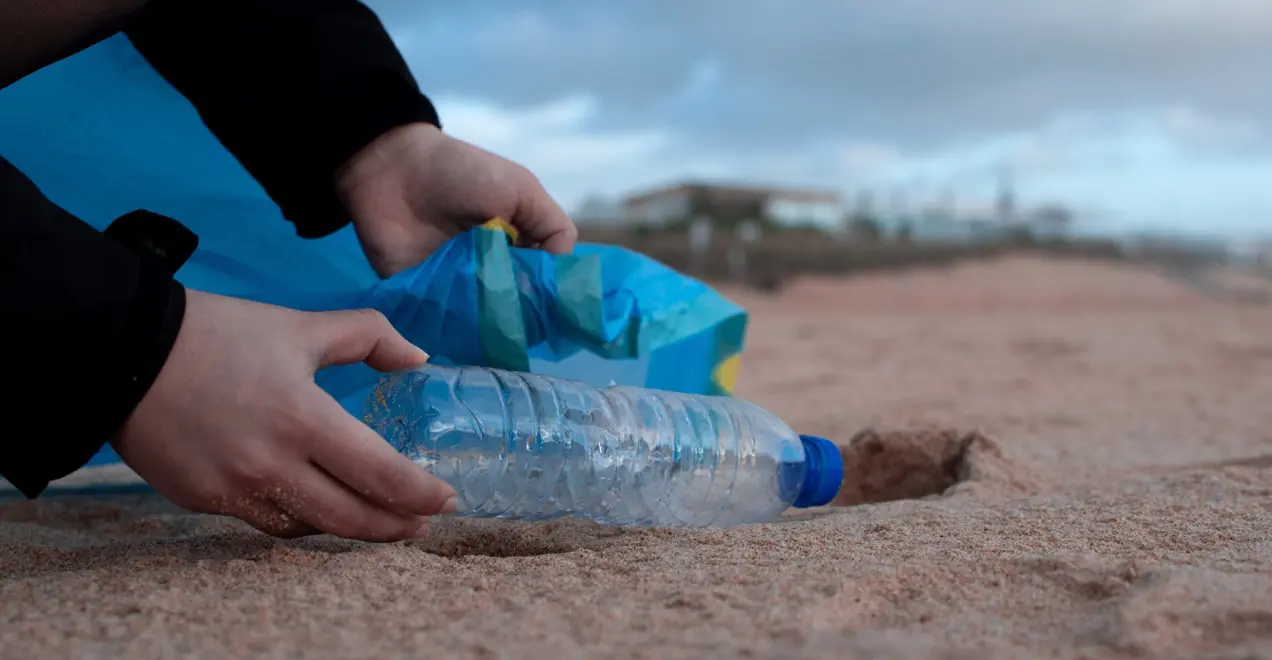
x: 784, y: 253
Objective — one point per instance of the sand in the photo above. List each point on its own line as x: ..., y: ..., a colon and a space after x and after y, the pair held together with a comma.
x: 1048, y: 460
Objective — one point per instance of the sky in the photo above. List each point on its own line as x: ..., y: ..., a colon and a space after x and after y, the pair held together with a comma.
x: 1139, y: 114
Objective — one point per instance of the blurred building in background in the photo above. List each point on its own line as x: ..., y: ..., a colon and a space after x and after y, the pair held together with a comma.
x: 950, y: 219
x: 1262, y: 256
x: 600, y: 212
x: 732, y: 204
x: 970, y: 221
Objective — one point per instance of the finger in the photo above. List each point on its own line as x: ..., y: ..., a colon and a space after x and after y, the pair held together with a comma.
x: 525, y: 242
x: 314, y: 496
x: 364, y: 335
x: 358, y: 457
x: 542, y: 220
x: 266, y: 516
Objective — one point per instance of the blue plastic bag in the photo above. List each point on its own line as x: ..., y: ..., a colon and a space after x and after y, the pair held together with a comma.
x: 102, y: 134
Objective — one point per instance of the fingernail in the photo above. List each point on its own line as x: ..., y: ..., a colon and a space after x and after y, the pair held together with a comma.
x: 421, y: 532
x: 450, y: 505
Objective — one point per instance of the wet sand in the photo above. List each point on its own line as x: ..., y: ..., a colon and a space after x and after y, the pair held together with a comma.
x: 1051, y: 460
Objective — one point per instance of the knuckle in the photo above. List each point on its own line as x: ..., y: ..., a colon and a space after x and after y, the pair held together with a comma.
x: 524, y: 176
x: 372, y: 524
x: 342, y: 523
x: 291, y: 412
x: 255, y: 470
x: 356, y: 528
x: 339, y: 518
x: 395, y: 484
x: 372, y: 319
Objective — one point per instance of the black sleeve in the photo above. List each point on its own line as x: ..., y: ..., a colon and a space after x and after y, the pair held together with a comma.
x: 37, y: 33
x: 293, y: 88
x: 87, y: 325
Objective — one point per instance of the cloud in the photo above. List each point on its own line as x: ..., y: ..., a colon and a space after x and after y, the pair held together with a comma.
x: 551, y: 139
x: 906, y: 71
x: 863, y: 159
x: 1206, y: 133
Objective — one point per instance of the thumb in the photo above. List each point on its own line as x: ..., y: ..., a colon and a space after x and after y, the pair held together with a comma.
x: 540, y: 219
x: 364, y: 335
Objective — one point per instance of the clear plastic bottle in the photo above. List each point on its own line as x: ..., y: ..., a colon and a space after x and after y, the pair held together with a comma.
x: 531, y: 447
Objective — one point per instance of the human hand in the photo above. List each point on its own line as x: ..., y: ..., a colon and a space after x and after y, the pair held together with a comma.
x: 235, y: 425
x: 415, y: 187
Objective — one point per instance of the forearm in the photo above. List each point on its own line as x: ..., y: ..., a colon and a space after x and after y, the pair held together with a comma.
x: 293, y: 88
x: 88, y: 323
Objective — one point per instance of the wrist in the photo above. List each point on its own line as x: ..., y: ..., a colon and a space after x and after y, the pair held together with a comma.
x: 379, y: 159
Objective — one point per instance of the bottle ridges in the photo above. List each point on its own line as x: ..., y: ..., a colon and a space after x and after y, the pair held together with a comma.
x: 526, y: 446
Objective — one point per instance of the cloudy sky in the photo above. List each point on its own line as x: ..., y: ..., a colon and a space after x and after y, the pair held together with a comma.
x: 1141, y: 113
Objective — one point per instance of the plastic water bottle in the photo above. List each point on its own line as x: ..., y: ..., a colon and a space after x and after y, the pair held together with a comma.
x: 530, y: 447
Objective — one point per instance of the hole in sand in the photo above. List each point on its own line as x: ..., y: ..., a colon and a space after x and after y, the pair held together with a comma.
x: 883, y: 466
x: 504, y: 538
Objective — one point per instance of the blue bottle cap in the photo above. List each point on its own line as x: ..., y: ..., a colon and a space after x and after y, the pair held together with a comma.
x: 823, y: 472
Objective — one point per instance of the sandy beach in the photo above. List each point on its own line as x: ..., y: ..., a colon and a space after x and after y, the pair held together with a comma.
x: 1045, y: 460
